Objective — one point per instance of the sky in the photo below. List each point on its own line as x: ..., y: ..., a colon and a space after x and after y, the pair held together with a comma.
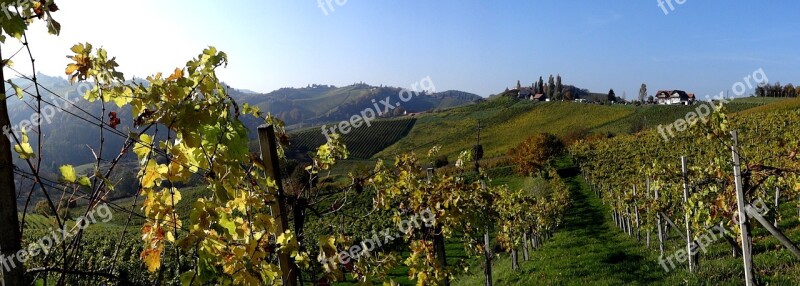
x: 704, y: 47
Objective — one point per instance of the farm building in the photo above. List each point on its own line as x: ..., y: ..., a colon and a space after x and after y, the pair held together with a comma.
x: 669, y: 97
x: 525, y: 93
x: 540, y: 97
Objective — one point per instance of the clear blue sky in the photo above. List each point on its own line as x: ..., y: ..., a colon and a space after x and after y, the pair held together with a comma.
x: 476, y: 46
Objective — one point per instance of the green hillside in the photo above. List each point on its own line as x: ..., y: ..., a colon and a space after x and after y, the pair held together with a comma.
x: 506, y: 122
x: 318, y: 104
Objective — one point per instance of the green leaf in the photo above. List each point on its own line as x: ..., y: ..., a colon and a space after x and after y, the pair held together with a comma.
x: 186, y: 278
x: 79, y: 48
x: 227, y: 223
x: 15, y: 26
x: 68, y: 173
x: 53, y: 26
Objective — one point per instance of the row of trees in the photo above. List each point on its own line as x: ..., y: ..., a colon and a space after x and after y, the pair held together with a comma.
x: 778, y: 90
x: 555, y: 89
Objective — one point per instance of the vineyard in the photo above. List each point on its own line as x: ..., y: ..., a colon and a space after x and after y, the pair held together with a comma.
x: 361, y: 142
x: 782, y: 105
x: 648, y: 117
x: 182, y: 182
x: 689, y: 185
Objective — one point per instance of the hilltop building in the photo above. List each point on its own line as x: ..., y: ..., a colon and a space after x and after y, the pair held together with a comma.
x: 670, y: 97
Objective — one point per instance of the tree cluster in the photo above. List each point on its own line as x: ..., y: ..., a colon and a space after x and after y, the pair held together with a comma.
x: 777, y: 90
x: 556, y: 90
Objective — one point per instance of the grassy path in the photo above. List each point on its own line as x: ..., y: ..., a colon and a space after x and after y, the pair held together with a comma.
x: 587, y: 250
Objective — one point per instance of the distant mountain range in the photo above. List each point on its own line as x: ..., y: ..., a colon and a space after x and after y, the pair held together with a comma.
x: 68, y: 138
x: 317, y: 104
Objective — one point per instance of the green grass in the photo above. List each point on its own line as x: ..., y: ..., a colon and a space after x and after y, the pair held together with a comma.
x: 587, y: 250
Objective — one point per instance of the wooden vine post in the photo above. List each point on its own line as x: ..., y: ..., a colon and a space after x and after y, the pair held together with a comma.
x: 647, y: 211
x: 740, y: 201
x: 269, y: 155
x: 687, y: 214
x: 525, y: 246
x: 636, y: 211
x: 628, y: 224
x: 777, y: 205
x: 660, y: 228
x: 620, y: 215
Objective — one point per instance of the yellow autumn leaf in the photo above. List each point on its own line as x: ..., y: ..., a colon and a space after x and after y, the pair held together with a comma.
x: 151, y: 175
x: 68, y: 174
x: 176, y: 196
x: 282, y: 239
x: 122, y: 100
x: 143, y: 146
x: 84, y: 181
x: 152, y: 259
x: 71, y: 68
x: 176, y: 75
x: 24, y: 149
